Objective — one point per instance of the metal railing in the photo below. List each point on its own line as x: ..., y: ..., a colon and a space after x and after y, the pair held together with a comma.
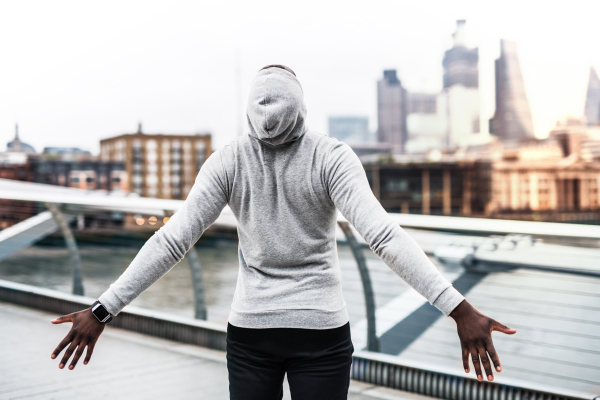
x: 381, y: 371
x: 153, y: 323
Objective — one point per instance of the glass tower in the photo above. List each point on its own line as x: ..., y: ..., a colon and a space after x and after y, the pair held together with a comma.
x: 592, y: 99
x: 512, y: 120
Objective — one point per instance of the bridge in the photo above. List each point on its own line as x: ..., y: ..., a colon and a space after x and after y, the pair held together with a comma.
x: 539, y: 278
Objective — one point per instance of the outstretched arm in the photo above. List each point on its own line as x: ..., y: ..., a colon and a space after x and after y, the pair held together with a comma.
x: 159, y: 254
x: 170, y: 243
x: 349, y: 190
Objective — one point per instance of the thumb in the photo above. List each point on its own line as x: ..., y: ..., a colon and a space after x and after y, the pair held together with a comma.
x: 497, y: 326
x: 63, y: 319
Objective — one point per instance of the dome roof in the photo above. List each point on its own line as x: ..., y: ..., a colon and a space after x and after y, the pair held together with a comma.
x: 16, y: 145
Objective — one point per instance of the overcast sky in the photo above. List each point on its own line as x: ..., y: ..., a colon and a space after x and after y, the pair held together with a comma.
x: 73, y: 72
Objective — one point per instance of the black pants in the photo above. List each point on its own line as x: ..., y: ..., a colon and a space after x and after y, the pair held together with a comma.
x: 317, y: 363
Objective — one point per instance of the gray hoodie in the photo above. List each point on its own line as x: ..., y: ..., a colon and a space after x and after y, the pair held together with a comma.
x: 285, y: 185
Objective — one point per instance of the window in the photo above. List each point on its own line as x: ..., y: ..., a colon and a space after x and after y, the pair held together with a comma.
x: 151, y: 145
x: 397, y: 185
x: 475, y: 125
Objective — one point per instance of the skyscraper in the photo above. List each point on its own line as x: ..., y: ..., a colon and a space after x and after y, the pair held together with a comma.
x: 391, y: 111
x: 449, y: 119
x: 461, y: 88
x: 461, y: 63
x: 592, y: 99
x: 512, y: 120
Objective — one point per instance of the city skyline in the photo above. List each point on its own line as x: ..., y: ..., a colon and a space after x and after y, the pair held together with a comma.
x: 76, y: 74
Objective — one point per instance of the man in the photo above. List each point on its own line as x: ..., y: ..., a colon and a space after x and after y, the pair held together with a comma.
x: 285, y: 185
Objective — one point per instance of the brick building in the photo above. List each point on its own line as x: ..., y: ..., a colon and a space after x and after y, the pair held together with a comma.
x: 162, y: 166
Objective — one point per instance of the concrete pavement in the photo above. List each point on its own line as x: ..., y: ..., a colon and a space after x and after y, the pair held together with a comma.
x: 125, y: 365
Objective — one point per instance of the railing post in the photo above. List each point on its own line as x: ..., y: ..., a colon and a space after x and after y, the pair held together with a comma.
x: 372, y: 340
x: 71, y: 246
x: 198, y: 284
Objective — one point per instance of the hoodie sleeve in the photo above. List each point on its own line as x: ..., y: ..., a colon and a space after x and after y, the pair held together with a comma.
x: 170, y: 243
x: 350, y: 192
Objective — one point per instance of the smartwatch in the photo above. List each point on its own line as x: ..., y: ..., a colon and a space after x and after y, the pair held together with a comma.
x: 101, y: 313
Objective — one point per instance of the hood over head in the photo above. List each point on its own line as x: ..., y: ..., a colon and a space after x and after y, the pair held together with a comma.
x: 276, y: 110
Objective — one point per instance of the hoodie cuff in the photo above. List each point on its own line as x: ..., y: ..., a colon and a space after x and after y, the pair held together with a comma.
x: 448, y: 300
x: 111, y: 302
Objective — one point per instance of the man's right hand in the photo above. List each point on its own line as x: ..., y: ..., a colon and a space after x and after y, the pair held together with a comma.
x: 84, y: 333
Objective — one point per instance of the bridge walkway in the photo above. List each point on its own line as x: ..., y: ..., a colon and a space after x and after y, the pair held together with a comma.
x: 125, y: 365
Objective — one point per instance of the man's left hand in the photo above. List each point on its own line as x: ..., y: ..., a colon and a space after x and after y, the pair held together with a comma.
x: 475, y: 333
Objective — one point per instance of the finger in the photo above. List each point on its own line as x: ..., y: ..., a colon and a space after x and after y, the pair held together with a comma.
x: 61, y: 346
x: 493, y: 355
x: 67, y: 355
x: 465, y: 358
x: 486, y: 363
x: 497, y: 326
x: 63, y: 319
x: 78, y: 354
x: 88, y: 353
x: 476, y: 364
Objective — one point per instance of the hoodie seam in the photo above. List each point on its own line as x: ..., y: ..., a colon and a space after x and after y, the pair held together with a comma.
x: 226, y: 176
x: 325, y: 172
x: 266, y: 125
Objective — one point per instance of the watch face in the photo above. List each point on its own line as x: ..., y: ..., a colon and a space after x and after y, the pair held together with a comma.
x: 100, y: 312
